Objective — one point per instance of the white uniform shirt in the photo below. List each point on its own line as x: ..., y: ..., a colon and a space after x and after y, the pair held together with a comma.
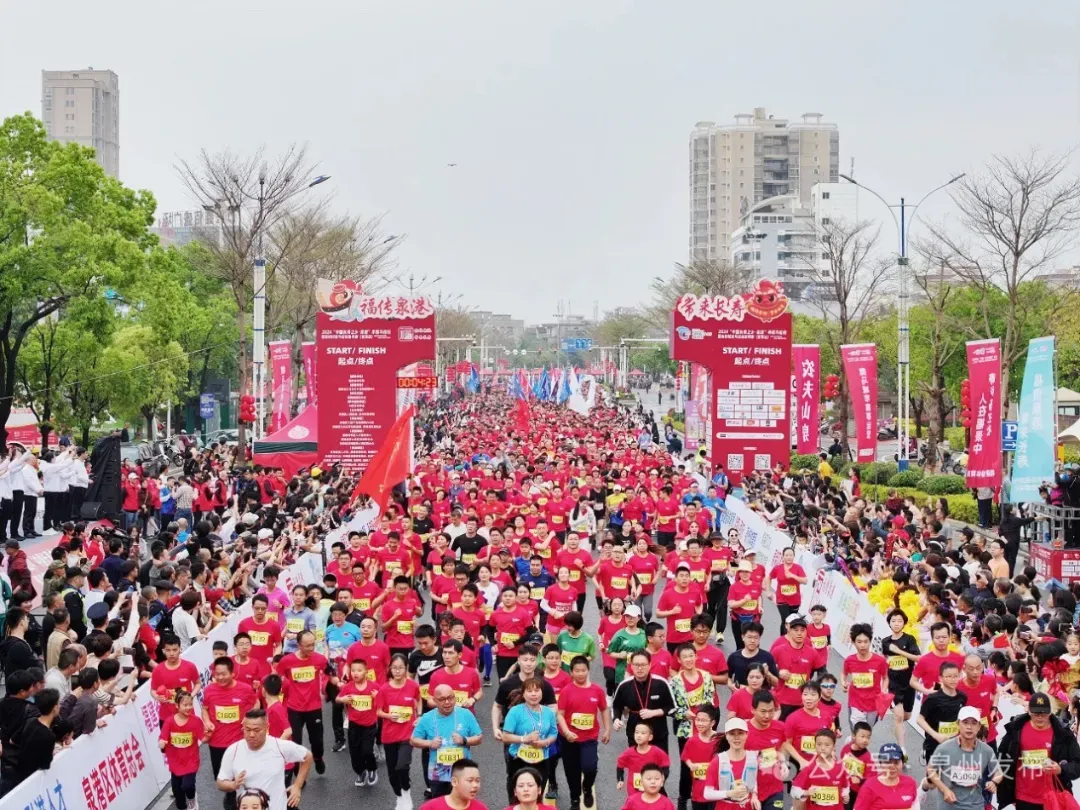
x: 264, y: 769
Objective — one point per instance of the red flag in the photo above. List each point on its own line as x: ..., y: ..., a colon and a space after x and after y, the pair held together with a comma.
x: 522, y: 415
x: 391, y: 464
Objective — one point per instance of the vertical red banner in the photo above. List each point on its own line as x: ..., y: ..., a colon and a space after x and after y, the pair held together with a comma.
x: 307, y: 354
x: 860, y: 370
x: 363, y: 341
x: 984, y: 454
x: 807, y: 393
x: 745, y: 343
x: 281, y: 363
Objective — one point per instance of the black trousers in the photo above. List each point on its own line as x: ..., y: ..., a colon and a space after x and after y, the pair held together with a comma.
x: 785, y: 611
x: 718, y: 595
x: 216, y: 756
x: 503, y: 664
x: 514, y: 765
x: 313, y: 720
x: 686, y: 778
x: 362, y: 748
x: 580, y: 761
x: 183, y: 789
x: 15, y: 513
x: 337, y: 713
x: 52, y: 518
x: 77, y: 496
x: 29, y: 513
x: 5, y: 517
x: 398, y: 760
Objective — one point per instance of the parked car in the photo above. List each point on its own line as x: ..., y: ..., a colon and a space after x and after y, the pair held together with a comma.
x: 152, y: 458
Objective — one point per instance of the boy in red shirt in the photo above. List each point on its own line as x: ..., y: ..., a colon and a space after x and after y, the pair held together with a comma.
x: 630, y: 762
x: 398, y: 617
x: 824, y: 785
x: 359, y: 696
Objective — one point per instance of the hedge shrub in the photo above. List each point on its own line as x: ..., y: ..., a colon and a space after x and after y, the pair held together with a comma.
x: 956, y: 437
x: 876, y: 472
x: 907, y: 478
x: 943, y: 485
x: 804, y: 461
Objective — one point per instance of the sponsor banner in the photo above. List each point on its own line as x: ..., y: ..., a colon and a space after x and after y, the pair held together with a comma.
x: 807, y: 395
x: 281, y: 363
x: 363, y: 342
x: 860, y: 370
x: 1036, y: 438
x: 745, y: 344
x: 984, y: 454
x: 307, y: 355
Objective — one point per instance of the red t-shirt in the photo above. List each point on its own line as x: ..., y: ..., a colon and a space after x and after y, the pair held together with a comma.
x: 400, y: 702
x: 510, y: 627
x: 711, y: 659
x: 564, y: 600
x: 399, y: 632
x: 801, y: 727
x: 575, y: 561
x: 250, y: 673
x: 818, y: 638
x: 227, y: 707
x: 265, y: 637
x: 646, y: 568
x: 787, y: 589
x: 637, y: 802
x: 361, y: 706
x: 660, y: 664
x: 182, y: 744
x: 800, y: 664
x: 615, y: 580
x: 376, y: 656
x: 632, y: 761
x: 742, y: 590
x: 441, y: 804
x: 767, y: 742
x: 302, y: 678
x: 858, y: 765
x: 697, y: 754
x: 1032, y: 782
x: 667, y: 510
x: 824, y: 786
x: 678, y: 624
x: 982, y: 698
x: 712, y: 779
x: 928, y: 668
x: 866, y: 680
x: 741, y: 705
x: 558, y: 681
x: 165, y: 682
x: 364, y: 594
x: 605, y: 632
x: 580, y: 706
x: 465, y: 683
x: 719, y: 558
x: 474, y: 619
x: 873, y: 795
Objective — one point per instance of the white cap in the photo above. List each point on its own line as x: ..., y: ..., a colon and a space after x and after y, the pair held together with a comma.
x: 952, y: 571
x: 735, y: 724
x: 132, y: 476
x: 265, y: 534
x: 969, y: 713
x: 632, y: 610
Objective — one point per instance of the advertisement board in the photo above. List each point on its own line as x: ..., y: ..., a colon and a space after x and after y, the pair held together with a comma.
x: 745, y: 343
x: 363, y: 342
x: 860, y: 370
x: 307, y: 355
x: 984, y: 454
x: 281, y: 365
x: 806, y: 391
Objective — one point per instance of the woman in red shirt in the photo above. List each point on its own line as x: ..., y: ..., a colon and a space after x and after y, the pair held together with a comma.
x: 610, y: 624
x: 646, y: 567
x: 180, y: 738
x: 398, y: 706
x: 744, y: 599
x: 787, y: 577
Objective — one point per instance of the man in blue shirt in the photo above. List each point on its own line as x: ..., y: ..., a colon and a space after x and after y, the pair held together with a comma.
x: 448, y: 731
x: 715, y: 504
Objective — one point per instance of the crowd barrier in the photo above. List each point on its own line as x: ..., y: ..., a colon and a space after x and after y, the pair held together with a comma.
x: 119, y: 767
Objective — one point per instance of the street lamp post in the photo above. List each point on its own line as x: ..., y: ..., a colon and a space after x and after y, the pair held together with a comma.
x: 903, y: 350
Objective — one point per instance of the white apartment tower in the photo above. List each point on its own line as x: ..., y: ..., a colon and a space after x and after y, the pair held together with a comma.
x: 735, y: 166
x: 83, y: 106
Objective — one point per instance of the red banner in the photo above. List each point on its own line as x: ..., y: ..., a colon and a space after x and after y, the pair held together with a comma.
x: 745, y: 342
x: 307, y: 353
x: 860, y: 370
x: 807, y: 394
x: 281, y: 363
x: 363, y: 342
x: 984, y: 451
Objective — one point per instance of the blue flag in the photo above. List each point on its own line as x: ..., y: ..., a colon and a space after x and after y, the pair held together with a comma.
x: 1033, y: 462
x: 473, y: 383
x: 564, y: 388
x: 541, y: 385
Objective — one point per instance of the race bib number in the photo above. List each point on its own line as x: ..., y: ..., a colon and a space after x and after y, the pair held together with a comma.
x: 618, y: 583
x: 294, y: 625
x: 699, y: 769
x: 371, y: 675
x: 788, y: 590
x: 227, y: 714
x: 259, y: 639
x: 697, y: 697
x: 181, y: 739
x: 575, y: 575
x: 808, y: 745
x: 509, y: 638
x: 697, y: 575
x: 682, y: 625
x: 392, y: 565
x: 303, y: 674
x: 567, y: 657
x: 897, y: 663
x: 862, y: 680
x: 965, y: 775
x: 818, y: 642
x: 468, y: 559
x: 750, y: 606
x: 795, y: 680
x: 363, y: 604
x: 557, y: 519
x: 949, y: 729
x: 854, y: 766
x: 405, y: 628
x: 425, y: 693
x: 825, y: 794
x: 361, y: 703
x: 461, y: 698
x: 1033, y: 759
x: 449, y: 755
x: 637, y: 783
x: 645, y: 577
x: 719, y: 565
x: 767, y: 757
x: 401, y: 712
x: 530, y: 753
x: 536, y: 593
x: 581, y: 721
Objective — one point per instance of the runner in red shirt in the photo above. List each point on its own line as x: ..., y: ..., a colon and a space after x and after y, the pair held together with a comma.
x: 264, y: 632
x: 359, y: 695
x: 246, y: 668
x: 465, y: 681
x: 646, y: 567
x: 660, y: 662
x: 631, y: 761
x: 579, y: 562
x: 981, y: 690
x: 819, y: 635
x: 866, y: 675
x: 511, y: 624
x: 825, y: 784
x: 374, y: 653
x: 744, y: 601
x: 736, y: 796
x: 787, y: 577
x: 580, y: 703
x: 767, y: 736
x: 888, y: 789
x: 559, y: 599
x: 709, y: 658
x: 180, y: 737
x: 679, y: 605
x: 794, y: 663
x: 802, y: 725
x: 170, y: 676
x: 464, y: 786
x: 398, y: 616
x: 224, y: 704
x: 302, y: 672
x: 927, y: 671
x: 614, y: 577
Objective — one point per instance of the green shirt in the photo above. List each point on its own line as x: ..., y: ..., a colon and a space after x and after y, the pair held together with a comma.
x: 571, y: 647
x: 629, y: 643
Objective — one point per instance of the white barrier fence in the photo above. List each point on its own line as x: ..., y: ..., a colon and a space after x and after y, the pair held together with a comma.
x: 119, y: 767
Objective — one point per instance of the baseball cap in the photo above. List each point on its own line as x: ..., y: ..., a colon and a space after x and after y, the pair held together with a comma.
x: 132, y: 476
x: 969, y: 713
x: 735, y: 724
x: 1039, y: 704
x: 97, y: 611
x: 265, y: 534
x: 745, y: 565
x: 632, y: 610
x: 796, y: 620
x: 891, y: 752
x: 683, y: 566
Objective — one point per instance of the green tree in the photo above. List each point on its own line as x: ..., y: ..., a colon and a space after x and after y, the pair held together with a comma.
x: 145, y: 370
x: 67, y: 232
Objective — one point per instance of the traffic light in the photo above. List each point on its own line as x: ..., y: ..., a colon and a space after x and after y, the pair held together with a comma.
x: 965, y: 403
x: 832, y: 387
x: 247, y: 409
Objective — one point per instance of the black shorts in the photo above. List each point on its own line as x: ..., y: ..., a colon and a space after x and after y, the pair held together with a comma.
x: 905, y: 696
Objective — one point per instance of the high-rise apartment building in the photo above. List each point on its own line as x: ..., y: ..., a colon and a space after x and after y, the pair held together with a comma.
x: 736, y: 166
x: 83, y: 106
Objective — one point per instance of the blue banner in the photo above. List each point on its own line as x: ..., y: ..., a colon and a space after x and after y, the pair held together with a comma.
x: 1036, y: 438
x: 206, y: 406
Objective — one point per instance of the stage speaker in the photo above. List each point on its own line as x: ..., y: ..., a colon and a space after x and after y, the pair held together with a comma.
x: 91, y: 510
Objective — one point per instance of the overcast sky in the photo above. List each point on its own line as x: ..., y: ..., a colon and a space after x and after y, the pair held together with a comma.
x: 568, y: 120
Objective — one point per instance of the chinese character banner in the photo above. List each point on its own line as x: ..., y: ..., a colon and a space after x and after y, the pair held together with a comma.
x: 984, y: 449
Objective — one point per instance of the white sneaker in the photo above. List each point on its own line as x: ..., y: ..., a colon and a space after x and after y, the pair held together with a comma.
x: 406, y: 801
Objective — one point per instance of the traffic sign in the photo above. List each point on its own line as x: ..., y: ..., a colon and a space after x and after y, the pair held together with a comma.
x: 1009, y: 430
x: 577, y: 344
